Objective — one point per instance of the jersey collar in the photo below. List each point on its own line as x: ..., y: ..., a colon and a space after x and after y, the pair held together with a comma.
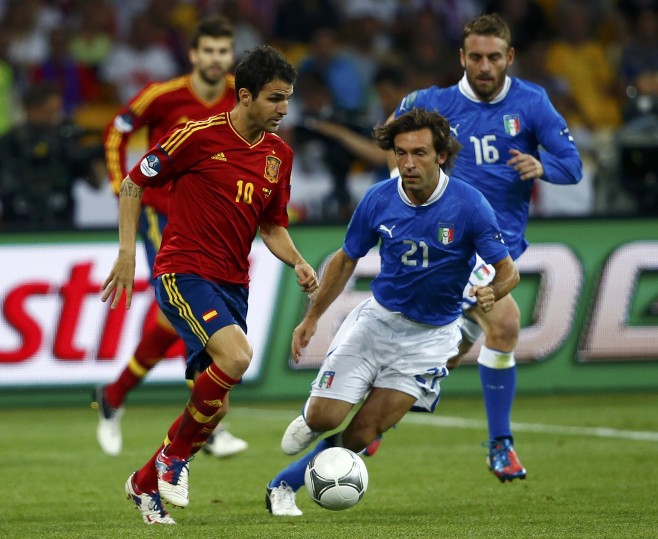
x: 465, y: 88
x: 436, y: 195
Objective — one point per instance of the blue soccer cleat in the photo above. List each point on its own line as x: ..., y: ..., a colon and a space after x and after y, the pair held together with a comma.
x: 503, y: 462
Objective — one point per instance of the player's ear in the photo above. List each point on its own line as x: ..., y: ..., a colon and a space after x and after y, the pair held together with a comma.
x: 462, y: 59
x: 245, y: 96
x: 441, y: 158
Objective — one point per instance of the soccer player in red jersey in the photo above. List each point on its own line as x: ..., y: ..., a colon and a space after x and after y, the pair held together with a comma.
x: 230, y: 178
x: 207, y: 90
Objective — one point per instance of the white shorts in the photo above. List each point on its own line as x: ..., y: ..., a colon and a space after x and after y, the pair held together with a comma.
x: 378, y: 348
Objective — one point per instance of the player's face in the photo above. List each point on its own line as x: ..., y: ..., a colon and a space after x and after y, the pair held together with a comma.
x: 486, y: 60
x: 213, y: 58
x: 270, y: 106
x: 418, y: 163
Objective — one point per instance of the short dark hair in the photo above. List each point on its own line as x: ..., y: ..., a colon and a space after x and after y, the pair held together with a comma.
x: 261, y: 65
x: 212, y: 26
x: 415, y: 120
x: 489, y: 25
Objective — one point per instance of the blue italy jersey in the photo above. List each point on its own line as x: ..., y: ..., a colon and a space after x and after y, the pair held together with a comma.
x: 427, y: 252
x: 522, y: 118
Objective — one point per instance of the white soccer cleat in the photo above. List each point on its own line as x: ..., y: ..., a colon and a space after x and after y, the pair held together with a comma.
x: 108, y: 431
x: 223, y: 444
x: 148, y: 503
x: 298, y: 436
x: 280, y: 501
x: 173, y: 479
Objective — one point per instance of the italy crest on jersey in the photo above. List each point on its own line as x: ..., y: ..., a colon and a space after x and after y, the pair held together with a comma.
x: 446, y: 233
x: 512, y: 124
x: 272, y: 166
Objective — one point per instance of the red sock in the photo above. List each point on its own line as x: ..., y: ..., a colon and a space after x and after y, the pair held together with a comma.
x: 155, y: 342
x: 146, y: 477
x: 210, y: 388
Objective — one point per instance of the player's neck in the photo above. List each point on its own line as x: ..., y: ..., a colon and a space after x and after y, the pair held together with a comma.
x: 207, y: 92
x: 244, y: 126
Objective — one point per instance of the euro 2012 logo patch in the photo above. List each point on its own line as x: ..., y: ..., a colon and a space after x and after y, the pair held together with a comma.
x: 150, y: 166
x: 272, y: 166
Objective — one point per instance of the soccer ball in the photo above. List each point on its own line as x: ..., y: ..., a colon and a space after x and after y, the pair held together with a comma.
x: 336, y: 478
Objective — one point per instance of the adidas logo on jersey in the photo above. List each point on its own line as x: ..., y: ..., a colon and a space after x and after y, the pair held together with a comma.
x: 219, y: 156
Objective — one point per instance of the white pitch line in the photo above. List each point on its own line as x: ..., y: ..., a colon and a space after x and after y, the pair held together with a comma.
x: 476, y: 424
x: 598, y: 432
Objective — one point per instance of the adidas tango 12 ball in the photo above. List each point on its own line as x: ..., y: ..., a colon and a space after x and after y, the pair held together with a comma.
x: 336, y: 478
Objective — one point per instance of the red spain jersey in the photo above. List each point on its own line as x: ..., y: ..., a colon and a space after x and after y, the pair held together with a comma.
x: 159, y: 106
x: 222, y: 189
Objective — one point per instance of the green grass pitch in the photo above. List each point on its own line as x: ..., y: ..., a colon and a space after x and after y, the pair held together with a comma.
x: 592, y: 465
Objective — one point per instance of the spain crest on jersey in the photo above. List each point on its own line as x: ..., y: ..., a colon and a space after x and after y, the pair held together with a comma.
x: 446, y: 233
x: 272, y: 166
x: 512, y: 124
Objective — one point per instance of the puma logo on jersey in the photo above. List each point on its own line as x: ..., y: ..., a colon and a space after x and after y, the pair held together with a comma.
x: 454, y: 130
x: 219, y: 156
x: 389, y: 231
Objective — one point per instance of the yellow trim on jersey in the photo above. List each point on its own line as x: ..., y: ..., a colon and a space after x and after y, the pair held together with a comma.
x: 156, y: 90
x: 153, y: 234
x: 113, y: 158
x: 181, y: 135
x: 169, y: 282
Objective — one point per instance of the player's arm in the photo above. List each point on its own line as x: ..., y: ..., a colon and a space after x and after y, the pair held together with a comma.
x: 278, y: 241
x: 122, y: 275
x: 334, y: 278
x: 362, y: 147
x: 559, y: 161
x: 505, y: 279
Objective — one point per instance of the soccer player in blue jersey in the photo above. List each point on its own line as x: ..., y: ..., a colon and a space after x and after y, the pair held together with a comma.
x: 393, y: 348
x: 501, y: 122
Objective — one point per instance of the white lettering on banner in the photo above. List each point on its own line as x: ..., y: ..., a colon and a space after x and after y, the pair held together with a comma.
x: 54, y: 329
x: 609, y: 337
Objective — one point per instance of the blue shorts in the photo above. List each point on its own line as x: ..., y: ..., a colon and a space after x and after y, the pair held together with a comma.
x: 197, y: 308
x: 151, y: 226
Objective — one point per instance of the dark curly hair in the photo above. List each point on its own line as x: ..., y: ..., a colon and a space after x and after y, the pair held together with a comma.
x: 415, y: 120
x: 261, y: 65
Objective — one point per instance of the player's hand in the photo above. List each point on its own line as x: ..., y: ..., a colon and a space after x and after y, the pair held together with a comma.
x: 122, y: 277
x: 526, y: 165
x: 301, y: 337
x: 484, y: 296
x: 307, y: 279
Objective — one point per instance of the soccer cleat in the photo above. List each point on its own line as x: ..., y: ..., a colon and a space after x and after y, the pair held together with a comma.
x: 280, y: 501
x: 298, y: 436
x: 148, y: 503
x: 503, y: 462
x: 108, y: 431
x: 372, y: 447
x: 223, y: 444
x: 173, y: 479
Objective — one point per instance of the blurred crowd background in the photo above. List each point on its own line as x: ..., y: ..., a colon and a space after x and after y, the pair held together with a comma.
x: 66, y: 66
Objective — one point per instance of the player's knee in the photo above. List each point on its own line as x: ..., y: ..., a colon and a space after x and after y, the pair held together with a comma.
x: 321, y: 420
x: 505, y: 333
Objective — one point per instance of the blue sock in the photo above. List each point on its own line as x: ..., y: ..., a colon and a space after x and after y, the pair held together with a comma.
x: 293, y: 474
x: 498, y: 389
